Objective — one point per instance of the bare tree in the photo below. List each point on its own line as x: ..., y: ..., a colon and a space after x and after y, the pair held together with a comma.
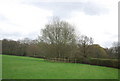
x: 84, y: 44
x: 58, y: 35
x: 116, y: 46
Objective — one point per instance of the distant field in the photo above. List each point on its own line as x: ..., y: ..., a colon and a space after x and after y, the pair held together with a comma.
x: 17, y: 67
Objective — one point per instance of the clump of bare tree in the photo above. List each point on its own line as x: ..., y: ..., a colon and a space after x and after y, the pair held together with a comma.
x: 59, y: 39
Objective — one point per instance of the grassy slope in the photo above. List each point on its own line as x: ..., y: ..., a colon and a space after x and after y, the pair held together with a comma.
x: 16, y: 67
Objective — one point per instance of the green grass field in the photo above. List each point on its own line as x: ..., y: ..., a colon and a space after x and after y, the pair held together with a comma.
x: 18, y: 67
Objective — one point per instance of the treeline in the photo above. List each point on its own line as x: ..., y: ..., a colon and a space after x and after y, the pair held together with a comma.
x: 59, y: 42
x: 33, y: 48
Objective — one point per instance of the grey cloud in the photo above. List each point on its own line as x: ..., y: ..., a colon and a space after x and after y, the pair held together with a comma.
x: 111, y: 35
x: 63, y: 9
x: 32, y: 35
x: 107, y: 44
x: 3, y: 18
x: 9, y: 35
x: 17, y: 35
x: 94, y: 9
x: 114, y: 36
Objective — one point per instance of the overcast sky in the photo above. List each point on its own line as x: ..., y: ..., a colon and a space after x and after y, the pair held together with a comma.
x: 95, y: 18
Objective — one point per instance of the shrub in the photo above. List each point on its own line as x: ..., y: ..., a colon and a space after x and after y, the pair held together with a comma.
x: 105, y: 62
